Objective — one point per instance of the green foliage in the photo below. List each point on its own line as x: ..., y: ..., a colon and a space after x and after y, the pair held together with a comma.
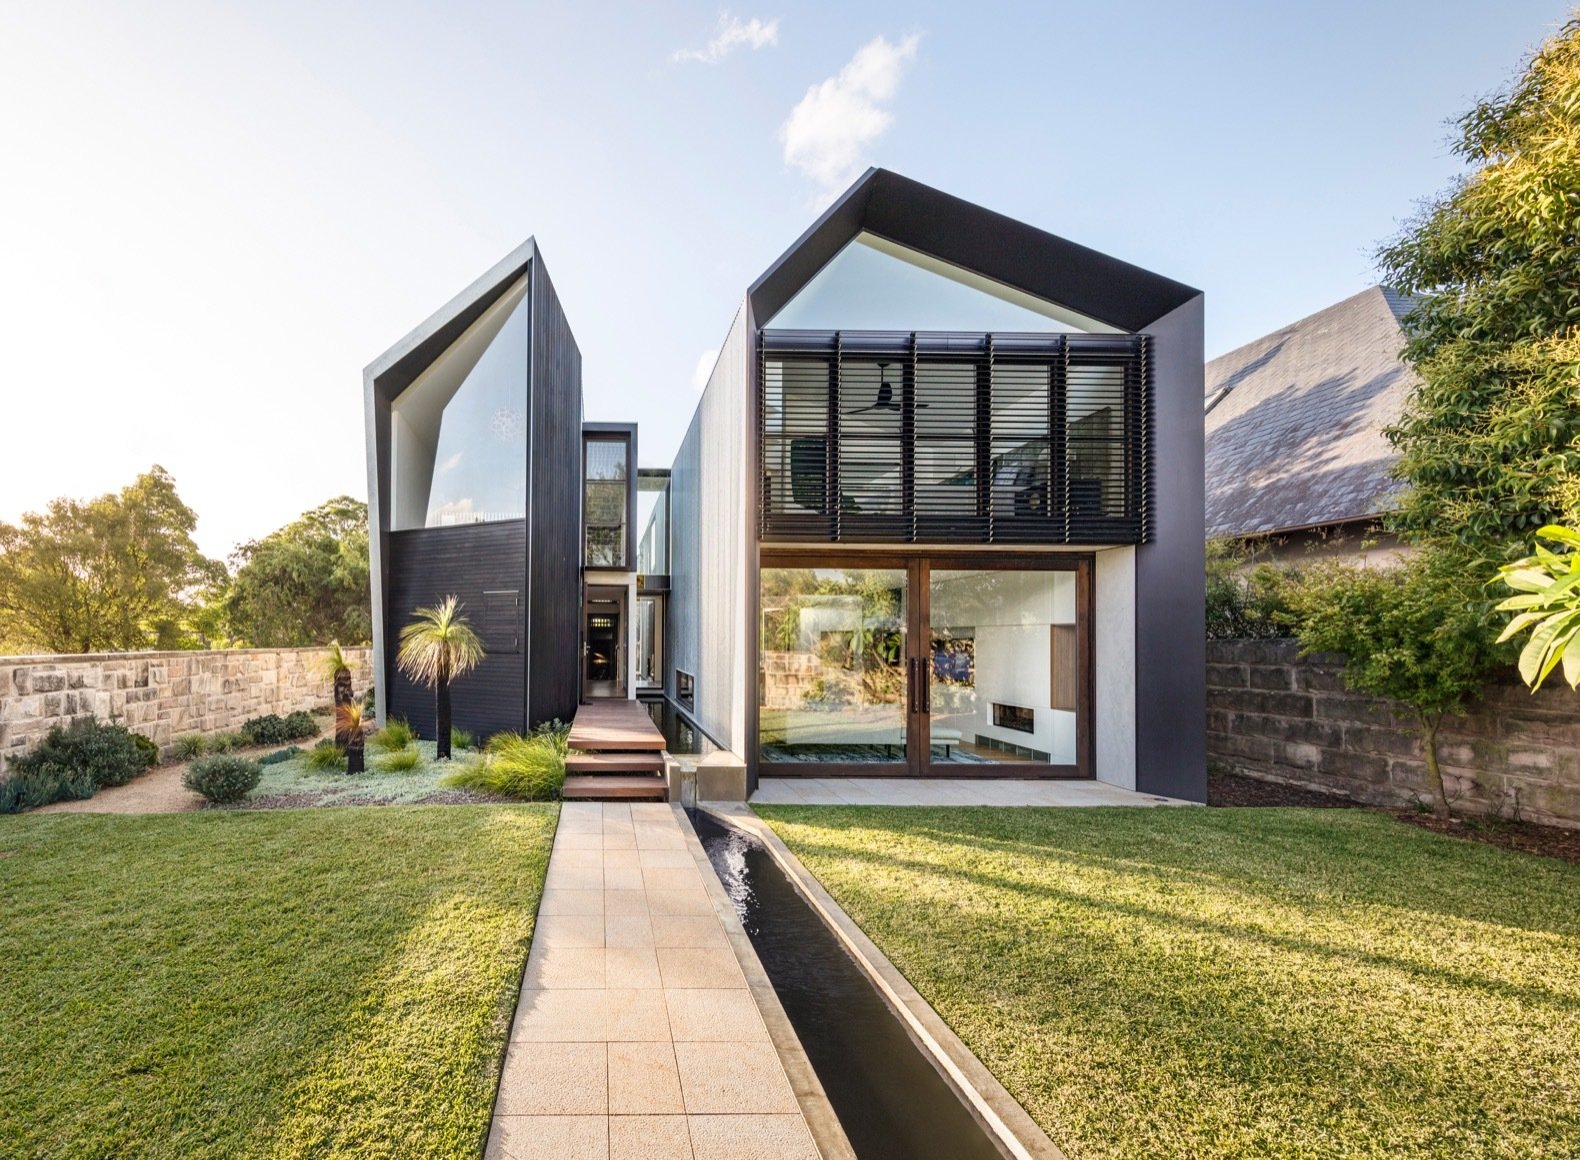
x: 148, y: 749
x: 112, y: 574
x: 1490, y: 442
x: 461, y: 739
x: 41, y: 784
x: 273, y: 729
x: 190, y: 745
x: 531, y: 768
x: 399, y: 761
x: 325, y: 756
x: 439, y: 645
x: 1548, y: 605
x: 396, y: 734
x: 1415, y: 633
x: 106, y: 754
x: 222, y: 778
x: 1245, y: 603
x: 226, y: 742
x: 280, y: 755
x: 306, y: 583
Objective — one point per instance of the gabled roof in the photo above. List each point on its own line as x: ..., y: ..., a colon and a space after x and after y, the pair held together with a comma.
x: 394, y: 370
x: 978, y: 240
x: 1295, y: 420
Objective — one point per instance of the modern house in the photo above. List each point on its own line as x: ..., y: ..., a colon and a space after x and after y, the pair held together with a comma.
x: 939, y: 511
x: 1297, y: 463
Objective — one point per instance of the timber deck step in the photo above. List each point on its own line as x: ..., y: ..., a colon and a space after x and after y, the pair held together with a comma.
x: 615, y: 787
x: 615, y: 725
x: 607, y: 763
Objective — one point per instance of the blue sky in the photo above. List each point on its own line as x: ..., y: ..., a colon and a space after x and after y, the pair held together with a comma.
x: 214, y: 215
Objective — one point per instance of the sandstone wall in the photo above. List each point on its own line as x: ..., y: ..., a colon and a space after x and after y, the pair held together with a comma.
x: 1273, y: 715
x: 162, y: 694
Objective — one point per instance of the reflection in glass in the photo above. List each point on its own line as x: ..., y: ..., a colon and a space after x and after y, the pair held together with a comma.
x: 604, y: 503
x: 1002, y: 666
x: 833, y: 665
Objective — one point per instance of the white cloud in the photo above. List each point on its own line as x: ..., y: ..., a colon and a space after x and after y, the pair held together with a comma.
x: 730, y: 34
x: 704, y: 371
x: 826, y: 136
x: 451, y: 463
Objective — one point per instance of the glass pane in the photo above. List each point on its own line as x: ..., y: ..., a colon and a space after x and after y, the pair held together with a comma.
x: 648, y: 668
x: 833, y: 665
x: 606, y: 458
x: 1096, y: 454
x: 1002, y: 667
x: 869, y: 477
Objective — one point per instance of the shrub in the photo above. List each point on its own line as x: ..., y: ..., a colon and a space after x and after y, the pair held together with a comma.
x: 105, y: 753
x: 148, y: 749
x: 532, y: 768
x: 1246, y: 604
x: 461, y: 739
x: 222, y: 778
x: 322, y: 711
x: 190, y: 745
x: 396, y: 734
x: 301, y: 724
x: 225, y: 742
x: 280, y: 755
x: 401, y: 761
x: 46, y: 783
x: 326, y: 756
x: 273, y: 729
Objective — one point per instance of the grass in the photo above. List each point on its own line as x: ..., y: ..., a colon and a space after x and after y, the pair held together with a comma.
x: 329, y: 983
x: 1231, y: 983
x: 404, y: 777
x: 531, y: 768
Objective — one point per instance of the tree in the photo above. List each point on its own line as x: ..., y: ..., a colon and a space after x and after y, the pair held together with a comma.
x: 1548, y: 605
x: 1490, y: 442
x: 435, y: 648
x: 1414, y: 633
x: 339, y: 673
x: 112, y: 574
x: 306, y: 583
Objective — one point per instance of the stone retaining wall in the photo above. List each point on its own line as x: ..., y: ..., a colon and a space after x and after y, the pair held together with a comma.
x: 1272, y: 715
x: 163, y: 694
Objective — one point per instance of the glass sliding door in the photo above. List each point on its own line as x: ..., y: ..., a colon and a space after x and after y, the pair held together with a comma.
x: 832, y: 684
x: 1003, y: 669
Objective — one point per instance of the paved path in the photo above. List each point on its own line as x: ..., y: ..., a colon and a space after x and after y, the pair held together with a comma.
x: 637, y: 1034
x: 159, y: 791
x: 901, y: 791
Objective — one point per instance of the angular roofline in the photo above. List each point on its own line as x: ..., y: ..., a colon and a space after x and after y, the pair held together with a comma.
x: 400, y: 364
x: 955, y: 231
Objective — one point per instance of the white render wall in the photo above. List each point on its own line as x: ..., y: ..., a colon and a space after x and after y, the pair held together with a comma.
x: 1114, y: 665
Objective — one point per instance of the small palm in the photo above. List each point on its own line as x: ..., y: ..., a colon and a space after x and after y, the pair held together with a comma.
x: 435, y: 648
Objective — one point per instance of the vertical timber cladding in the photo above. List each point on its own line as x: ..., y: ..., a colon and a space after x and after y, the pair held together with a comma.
x: 482, y: 564
x: 874, y: 437
x: 554, y: 496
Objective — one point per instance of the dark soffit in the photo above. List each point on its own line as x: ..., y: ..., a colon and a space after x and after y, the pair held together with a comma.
x: 393, y: 371
x: 945, y: 227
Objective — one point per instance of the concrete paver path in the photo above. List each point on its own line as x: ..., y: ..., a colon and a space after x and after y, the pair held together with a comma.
x: 637, y: 1034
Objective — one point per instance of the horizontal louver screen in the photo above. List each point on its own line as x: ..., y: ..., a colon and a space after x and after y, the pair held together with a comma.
x: 953, y: 438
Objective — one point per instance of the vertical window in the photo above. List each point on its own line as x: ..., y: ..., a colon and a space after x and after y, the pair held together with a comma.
x: 604, y: 501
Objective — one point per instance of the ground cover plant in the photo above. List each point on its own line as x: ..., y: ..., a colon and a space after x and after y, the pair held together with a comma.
x: 1235, y: 982
x: 296, y: 983
x: 318, y: 777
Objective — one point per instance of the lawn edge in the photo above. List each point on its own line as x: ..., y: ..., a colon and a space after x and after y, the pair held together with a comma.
x: 1000, y: 1113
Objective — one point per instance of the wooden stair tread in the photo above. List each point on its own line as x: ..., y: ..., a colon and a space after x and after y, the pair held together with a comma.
x: 616, y: 725
x: 647, y: 787
x: 615, y: 762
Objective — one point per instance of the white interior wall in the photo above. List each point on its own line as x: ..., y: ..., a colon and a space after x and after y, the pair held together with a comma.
x: 1114, y: 664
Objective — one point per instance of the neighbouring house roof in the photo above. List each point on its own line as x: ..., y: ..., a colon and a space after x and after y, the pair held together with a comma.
x: 1295, y: 420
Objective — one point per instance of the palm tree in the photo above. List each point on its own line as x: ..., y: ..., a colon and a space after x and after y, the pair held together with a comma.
x: 338, y: 671
x: 435, y: 648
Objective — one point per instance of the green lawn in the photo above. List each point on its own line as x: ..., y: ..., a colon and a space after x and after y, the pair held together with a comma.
x: 1210, y: 983
x: 292, y: 983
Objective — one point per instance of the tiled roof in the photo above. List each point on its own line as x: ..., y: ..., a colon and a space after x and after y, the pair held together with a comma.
x: 1295, y: 420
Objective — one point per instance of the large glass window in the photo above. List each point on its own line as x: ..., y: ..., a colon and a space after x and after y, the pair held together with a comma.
x: 459, y: 432
x: 1002, y: 666
x: 833, y: 683
x: 605, y: 502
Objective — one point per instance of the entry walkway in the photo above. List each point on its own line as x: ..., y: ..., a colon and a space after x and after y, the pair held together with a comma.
x: 938, y: 791
x: 638, y: 1034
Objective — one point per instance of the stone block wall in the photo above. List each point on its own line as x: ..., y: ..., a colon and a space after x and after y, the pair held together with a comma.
x: 162, y: 694
x: 1273, y: 715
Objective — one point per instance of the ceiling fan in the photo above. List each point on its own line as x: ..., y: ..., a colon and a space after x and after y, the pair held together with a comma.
x: 885, y: 398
